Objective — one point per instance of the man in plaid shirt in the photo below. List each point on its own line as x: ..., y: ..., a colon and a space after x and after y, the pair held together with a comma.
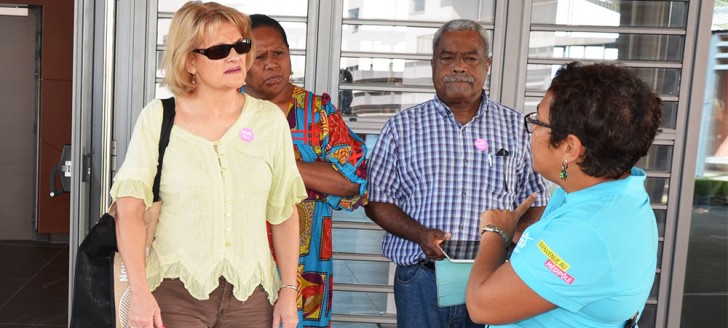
x: 438, y: 165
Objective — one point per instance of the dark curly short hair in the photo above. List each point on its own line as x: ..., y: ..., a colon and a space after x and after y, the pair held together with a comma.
x: 260, y: 20
x: 614, y: 114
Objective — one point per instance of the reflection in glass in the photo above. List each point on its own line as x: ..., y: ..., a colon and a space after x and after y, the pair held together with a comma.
x: 360, y: 303
x: 658, y: 158
x: 669, y: 114
x: 390, y: 39
x: 163, y: 30
x: 438, y: 11
x: 665, y: 81
x: 386, y: 71
x: 660, y: 217
x: 358, y: 241
x: 387, y: 39
x: 655, y: 287
x: 657, y: 189
x: 362, y: 272
x: 611, y: 13
x: 606, y: 46
x: 161, y: 92
x: 384, y: 104
x: 705, y: 297
x: 648, y: 317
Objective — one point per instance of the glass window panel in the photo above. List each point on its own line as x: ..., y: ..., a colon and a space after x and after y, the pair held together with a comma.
x: 660, y: 248
x: 362, y: 272
x: 357, y: 215
x: 358, y: 241
x: 657, y: 189
x: 655, y: 287
x: 669, y: 115
x: 163, y: 30
x: 611, y: 13
x: 530, y: 104
x: 162, y: 92
x: 357, y: 325
x: 384, y: 104
x: 438, y: 11
x: 390, y: 39
x: 665, y: 81
x: 660, y: 217
x: 269, y: 7
x: 648, y: 317
x: 387, y: 71
x: 298, y: 67
x: 658, y: 158
x: 374, y: 304
x: 387, y: 38
x: 606, y: 46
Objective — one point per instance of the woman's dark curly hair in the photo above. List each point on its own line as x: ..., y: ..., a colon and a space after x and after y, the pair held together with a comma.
x: 614, y: 114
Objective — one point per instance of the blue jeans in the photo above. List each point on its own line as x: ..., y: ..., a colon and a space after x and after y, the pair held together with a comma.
x: 415, y: 294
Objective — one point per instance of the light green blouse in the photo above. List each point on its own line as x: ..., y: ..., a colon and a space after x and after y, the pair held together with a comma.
x: 216, y: 197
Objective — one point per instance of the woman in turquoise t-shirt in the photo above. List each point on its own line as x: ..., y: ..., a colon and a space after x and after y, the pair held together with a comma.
x: 591, y: 259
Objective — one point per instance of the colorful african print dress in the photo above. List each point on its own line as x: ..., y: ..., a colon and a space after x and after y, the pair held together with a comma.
x: 320, y: 134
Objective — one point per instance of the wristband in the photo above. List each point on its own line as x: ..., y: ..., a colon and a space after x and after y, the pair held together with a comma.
x: 493, y: 228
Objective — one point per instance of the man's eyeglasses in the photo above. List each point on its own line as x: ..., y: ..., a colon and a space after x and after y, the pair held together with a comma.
x: 221, y: 51
x: 530, y: 120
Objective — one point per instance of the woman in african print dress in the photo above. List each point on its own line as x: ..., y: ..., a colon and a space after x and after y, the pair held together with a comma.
x: 331, y: 160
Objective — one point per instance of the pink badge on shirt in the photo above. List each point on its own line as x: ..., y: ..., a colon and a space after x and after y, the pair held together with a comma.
x: 481, y: 144
x: 246, y: 134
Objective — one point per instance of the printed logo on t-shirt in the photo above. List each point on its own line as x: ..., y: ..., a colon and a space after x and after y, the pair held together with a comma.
x: 555, y: 264
x: 522, y: 242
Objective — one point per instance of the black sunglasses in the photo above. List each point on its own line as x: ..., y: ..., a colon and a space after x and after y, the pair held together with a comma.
x: 221, y: 51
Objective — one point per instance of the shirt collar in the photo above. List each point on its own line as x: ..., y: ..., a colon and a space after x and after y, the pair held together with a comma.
x: 444, y: 110
x: 634, y: 183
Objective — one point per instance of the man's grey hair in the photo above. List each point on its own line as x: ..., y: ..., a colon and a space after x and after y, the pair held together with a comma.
x: 461, y: 25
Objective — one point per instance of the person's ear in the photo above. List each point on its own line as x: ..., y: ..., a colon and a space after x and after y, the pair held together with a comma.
x: 191, y: 65
x: 573, y: 148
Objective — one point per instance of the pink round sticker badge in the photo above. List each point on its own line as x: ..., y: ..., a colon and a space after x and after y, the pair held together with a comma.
x: 481, y: 144
x: 246, y: 134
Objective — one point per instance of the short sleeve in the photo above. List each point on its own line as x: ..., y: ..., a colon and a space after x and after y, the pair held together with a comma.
x: 287, y: 186
x: 346, y: 151
x: 383, y: 168
x: 135, y: 177
x: 568, y: 272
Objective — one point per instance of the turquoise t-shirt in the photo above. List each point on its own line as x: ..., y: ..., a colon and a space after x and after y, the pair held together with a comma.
x: 593, y: 254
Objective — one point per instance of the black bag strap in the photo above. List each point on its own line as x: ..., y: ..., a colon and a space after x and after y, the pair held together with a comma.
x: 632, y: 322
x: 167, y: 123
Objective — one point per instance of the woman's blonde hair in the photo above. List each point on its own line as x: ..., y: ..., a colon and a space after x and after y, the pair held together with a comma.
x: 190, y: 25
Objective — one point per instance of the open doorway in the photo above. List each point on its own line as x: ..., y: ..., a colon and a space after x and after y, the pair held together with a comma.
x: 35, y: 103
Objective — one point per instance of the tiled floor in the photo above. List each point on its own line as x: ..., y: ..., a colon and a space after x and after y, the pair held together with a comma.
x: 33, y: 284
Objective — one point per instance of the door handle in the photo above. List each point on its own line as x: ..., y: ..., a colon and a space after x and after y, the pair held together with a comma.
x: 64, y: 169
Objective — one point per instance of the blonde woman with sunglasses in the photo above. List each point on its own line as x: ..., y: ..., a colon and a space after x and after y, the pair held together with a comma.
x: 228, y: 169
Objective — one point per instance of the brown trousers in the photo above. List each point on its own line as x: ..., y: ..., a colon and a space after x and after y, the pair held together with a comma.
x: 221, y: 310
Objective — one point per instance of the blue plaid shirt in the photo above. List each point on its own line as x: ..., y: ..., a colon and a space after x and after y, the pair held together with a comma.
x: 444, y: 174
